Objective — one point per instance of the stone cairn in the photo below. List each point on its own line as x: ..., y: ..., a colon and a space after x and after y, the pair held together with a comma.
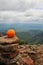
x: 9, y: 50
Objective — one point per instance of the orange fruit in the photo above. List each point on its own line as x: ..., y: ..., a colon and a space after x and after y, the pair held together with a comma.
x: 11, y: 33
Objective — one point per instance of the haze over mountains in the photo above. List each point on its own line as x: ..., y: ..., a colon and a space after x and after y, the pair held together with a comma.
x: 21, y: 27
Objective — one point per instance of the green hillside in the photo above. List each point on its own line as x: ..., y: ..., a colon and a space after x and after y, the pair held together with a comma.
x: 32, y: 36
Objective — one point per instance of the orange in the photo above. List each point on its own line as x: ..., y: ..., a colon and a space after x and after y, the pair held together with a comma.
x: 11, y: 33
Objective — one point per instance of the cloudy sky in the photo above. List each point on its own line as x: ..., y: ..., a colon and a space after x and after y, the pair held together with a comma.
x: 22, y: 11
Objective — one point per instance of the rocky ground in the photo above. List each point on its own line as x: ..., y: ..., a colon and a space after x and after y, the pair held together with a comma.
x: 22, y: 54
x: 30, y: 54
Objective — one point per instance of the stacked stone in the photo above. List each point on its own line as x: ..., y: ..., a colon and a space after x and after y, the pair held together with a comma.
x: 8, y: 50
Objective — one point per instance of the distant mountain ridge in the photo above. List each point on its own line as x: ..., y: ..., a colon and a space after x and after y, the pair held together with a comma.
x: 31, y: 36
x: 21, y: 27
x: 38, y: 38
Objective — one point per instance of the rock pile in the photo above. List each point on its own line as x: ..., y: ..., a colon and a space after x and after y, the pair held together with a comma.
x: 8, y: 49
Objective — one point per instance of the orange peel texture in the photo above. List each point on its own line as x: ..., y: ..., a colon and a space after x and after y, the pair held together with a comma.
x: 11, y: 33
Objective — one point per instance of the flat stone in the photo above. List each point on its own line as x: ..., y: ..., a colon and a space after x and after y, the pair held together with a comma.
x: 8, y: 48
x: 5, y: 39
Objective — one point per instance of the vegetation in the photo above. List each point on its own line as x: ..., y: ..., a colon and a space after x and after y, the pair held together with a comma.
x: 31, y: 37
x: 21, y: 42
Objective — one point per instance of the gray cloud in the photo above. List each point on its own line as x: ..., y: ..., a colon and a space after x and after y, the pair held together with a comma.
x: 17, y: 5
x: 29, y: 16
x: 22, y: 11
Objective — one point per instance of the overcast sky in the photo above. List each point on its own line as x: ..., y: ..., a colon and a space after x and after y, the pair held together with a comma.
x: 23, y: 11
